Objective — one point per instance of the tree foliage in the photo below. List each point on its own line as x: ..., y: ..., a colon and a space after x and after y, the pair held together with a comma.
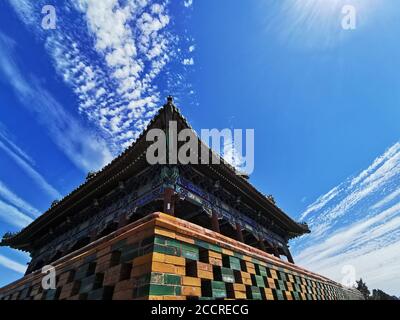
x: 377, y: 294
x: 380, y: 295
x: 362, y: 287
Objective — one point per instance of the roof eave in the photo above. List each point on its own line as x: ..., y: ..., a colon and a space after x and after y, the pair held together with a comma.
x: 20, y: 239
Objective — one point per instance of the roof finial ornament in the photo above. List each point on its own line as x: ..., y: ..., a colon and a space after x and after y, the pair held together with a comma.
x: 170, y: 99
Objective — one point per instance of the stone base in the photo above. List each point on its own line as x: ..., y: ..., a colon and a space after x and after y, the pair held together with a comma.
x: 161, y: 257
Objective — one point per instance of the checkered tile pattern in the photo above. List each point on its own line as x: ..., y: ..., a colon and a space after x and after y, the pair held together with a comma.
x: 164, y: 258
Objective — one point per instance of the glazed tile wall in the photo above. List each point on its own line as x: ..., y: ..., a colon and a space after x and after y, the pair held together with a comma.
x: 161, y: 257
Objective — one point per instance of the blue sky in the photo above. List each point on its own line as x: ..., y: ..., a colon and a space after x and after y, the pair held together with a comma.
x: 324, y: 103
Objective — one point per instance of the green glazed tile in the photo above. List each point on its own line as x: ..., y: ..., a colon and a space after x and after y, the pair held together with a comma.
x: 161, y: 290
x: 172, y: 279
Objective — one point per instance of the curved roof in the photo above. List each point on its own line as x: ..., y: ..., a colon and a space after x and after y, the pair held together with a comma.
x: 124, y: 165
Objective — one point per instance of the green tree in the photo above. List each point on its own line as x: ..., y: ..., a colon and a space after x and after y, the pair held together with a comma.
x: 362, y: 287
x: 381, y: 295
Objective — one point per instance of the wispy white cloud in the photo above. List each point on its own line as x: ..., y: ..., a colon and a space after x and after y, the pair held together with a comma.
x: 6, y: 143
x: 358, y: 223
x: 25, y: 10
x: 135, y: 45
x: 5, y: 137
x: 380, y: 176
x: 31, y: 172
x: 349, y: 236
x: 320, y: 203
x: 113, y: 54
x: 132, y: 46
x: 16, y: 201
x: 13, y: 216
x: 12, y: 265
x: 389, y: 198
x: 84, y: 148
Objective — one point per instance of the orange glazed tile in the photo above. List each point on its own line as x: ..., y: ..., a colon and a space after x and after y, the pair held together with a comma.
x: 178, y: 261
x: 204, y: 266
x: 180, y: 271
x: 174, y: 298
x: 240, y: 295
x: 288, y: 295
x: 271, y: 283
x: 227, y: 252
x: 185, y: 232
x: 167, y: 225
x: 251, y: 270
x: 167, y: 268
x: 274, y: 274
x: 191, y: 281
x: 267, y: 290
x: 165, y: 233
x: 215, y: 261
x: 191, y: 291
x: 247, y: 259
x: 270, y: 296
x: 205, y: 274
x: 163, y: 267
x: 214, y: 254
x: 239, y: 287
x: 159, y: 257
x: 156, y: 297
x: 184, y: 239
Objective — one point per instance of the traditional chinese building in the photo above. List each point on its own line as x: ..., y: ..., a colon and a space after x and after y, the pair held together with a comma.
x: 218, y: 236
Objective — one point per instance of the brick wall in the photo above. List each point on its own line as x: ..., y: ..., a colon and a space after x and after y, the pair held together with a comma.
x: 162, y: 257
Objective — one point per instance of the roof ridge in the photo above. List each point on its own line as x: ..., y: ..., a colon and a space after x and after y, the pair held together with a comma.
x: 168, y: 106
